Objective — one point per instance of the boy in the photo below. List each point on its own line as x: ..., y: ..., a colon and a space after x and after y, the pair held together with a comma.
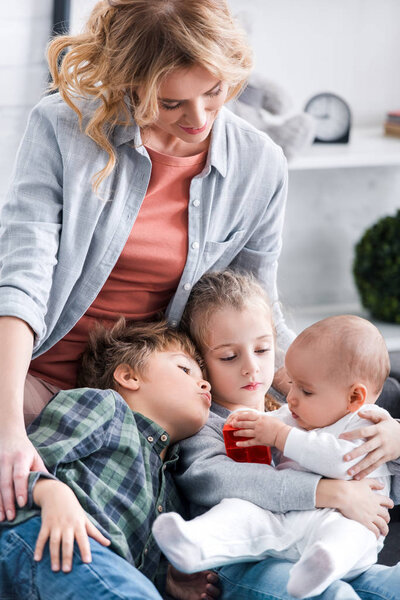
x: 107, y: 452
x: 345, y: 362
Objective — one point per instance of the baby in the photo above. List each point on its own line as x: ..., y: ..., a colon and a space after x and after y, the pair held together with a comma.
x: 336, y: 367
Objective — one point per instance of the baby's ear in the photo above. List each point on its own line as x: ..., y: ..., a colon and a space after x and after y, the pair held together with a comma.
x: 125, y: 376
x: 357, y: 396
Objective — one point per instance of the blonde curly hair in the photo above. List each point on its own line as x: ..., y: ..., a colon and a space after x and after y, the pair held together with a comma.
x: 132, y: 44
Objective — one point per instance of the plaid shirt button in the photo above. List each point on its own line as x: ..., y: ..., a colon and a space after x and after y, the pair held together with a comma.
x: 164, y: 437
x: 159, y: 508
x: 150, y: 438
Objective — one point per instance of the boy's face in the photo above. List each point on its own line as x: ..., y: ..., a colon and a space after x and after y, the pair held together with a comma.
x: 316, y: 397
x: 173, y: 393
x: 240, y: 357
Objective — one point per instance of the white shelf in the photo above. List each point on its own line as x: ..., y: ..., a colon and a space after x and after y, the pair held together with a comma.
x: 302, y: 317
x: 368, y: 147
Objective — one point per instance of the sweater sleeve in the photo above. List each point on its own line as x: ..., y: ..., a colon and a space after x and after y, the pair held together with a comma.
x: 206, y: 475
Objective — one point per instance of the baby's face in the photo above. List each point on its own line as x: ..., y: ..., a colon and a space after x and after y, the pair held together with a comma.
x: 316, y: 399
x: 240, y: 357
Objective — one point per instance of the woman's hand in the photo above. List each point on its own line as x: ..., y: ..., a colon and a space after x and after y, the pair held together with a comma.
x: 197, y: 586
x: 17, y: 458
x: 356, y: 500
x: 382, y: 445
x: 63, y: 522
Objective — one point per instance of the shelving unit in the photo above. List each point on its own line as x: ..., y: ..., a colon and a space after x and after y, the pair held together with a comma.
x: 368, y: 147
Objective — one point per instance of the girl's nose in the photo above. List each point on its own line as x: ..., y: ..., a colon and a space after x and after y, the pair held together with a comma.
x: 250, y: 367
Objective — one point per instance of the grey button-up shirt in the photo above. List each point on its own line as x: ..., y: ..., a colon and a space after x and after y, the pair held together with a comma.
x: 59, y: 241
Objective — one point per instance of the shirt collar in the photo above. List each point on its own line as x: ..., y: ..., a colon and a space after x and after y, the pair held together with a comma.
x: 217, y: 154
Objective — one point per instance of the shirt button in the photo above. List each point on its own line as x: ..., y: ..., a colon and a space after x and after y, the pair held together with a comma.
x: 145, y: 551
x: 195, y: 245
x: 174, y: 323
x: 150, y: 438
x: 196, y: 203
x: 164, y: 467
x: 187, y: 286
x: 159, y: 508
x: 164, y: 437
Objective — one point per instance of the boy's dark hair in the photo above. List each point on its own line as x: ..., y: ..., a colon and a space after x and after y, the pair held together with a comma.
x: 129, y: 343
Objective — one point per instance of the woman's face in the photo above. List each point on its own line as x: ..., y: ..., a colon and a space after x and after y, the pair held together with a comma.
x: 189, y: 101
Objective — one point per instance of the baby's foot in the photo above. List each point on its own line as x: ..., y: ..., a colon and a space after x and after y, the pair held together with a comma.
x: 178, y: 542
x: 312, y: 574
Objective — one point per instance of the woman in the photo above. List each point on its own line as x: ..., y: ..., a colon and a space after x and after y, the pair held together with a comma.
x: 130, y: 183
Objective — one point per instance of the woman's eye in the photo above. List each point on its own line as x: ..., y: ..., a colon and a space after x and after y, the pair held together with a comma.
x: 215, y: 93
x: 170, y: 106
x: 184, y: 369
x: 226, y: 358
x: 307, y: 393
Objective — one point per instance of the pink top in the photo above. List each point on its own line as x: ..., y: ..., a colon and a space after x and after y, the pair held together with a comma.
x: 148, y: 270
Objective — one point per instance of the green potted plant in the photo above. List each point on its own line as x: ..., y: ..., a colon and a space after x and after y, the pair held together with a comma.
x: 376, y: 269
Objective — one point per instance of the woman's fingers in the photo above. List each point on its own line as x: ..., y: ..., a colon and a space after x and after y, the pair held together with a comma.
x: 371, y: 461
x: 381, y: 525
x: 363, y: 432
x: 375, y: 417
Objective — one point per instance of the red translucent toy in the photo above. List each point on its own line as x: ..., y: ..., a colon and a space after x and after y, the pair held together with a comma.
x: 253, y: 454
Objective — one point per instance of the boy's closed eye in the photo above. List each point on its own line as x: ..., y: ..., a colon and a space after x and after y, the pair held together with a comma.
x: 185, y: 369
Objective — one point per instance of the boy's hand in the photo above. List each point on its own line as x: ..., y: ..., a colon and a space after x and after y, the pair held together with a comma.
x: 63, y: 522
x: 261, y: 429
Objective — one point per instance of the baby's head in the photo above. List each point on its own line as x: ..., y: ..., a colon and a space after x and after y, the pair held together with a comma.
x: 229, y: 317
x: 335, y: 366
x: 154, y: 368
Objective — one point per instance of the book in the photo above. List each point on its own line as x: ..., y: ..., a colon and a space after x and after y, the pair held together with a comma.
x: 392, y: 129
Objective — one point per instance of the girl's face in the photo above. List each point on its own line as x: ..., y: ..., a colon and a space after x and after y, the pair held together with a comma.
x: 240, y: 357
x: 189, y: 102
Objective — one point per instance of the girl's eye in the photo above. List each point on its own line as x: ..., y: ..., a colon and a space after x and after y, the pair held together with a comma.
x: 184, y: 369
x: 307, y: 393
x: 226, y: 358
x: 262, y: 350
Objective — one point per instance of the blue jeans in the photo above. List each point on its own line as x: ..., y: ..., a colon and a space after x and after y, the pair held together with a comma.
x: 267, y: 579
x: 108, y: 576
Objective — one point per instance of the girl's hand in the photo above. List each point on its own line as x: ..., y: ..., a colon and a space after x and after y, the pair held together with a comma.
x: 356, y: 500
x: 63, y: 522
x: 17, y: 458
x: 382, y: 445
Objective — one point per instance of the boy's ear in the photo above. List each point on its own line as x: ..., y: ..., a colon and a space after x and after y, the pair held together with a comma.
x: 357, y: 396
x: 125, y: 376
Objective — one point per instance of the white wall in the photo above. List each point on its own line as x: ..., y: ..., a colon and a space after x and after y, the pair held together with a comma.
x: 351, y: 47
x: 24, y: 31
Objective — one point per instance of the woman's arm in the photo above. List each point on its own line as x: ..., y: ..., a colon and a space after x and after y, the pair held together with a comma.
x: 17, y: 454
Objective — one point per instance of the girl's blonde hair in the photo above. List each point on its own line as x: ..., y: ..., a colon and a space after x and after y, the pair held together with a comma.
x: 132, y: 44
x: 217, y: 291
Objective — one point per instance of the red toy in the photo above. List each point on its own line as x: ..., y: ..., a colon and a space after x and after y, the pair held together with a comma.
x: 253, y: 454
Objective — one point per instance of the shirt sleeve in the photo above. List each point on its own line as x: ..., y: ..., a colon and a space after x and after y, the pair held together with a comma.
x: 261, y: 252
x: 73, y: 425
x: 206, y: 475
x: 31, y: 223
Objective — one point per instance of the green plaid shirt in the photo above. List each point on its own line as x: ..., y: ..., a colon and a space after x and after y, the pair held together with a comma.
x: 110, y: 457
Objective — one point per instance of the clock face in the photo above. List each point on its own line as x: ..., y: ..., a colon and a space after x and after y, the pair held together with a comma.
x: 332, y: 116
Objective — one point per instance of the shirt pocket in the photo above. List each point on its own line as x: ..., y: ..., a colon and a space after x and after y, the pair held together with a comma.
x: 219, y: 255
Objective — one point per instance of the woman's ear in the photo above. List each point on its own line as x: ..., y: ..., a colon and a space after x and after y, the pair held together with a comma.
x: 357, y: 396
x: 125, y: 376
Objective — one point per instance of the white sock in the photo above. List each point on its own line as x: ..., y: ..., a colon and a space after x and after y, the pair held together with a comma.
x: 173, y: 535
x: 313, y: 573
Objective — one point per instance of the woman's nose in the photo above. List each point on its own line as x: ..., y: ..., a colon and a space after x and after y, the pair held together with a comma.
x: 196, y: 114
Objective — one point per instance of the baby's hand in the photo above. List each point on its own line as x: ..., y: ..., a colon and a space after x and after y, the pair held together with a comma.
x: 63, y: 522
x: 261, y: 429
